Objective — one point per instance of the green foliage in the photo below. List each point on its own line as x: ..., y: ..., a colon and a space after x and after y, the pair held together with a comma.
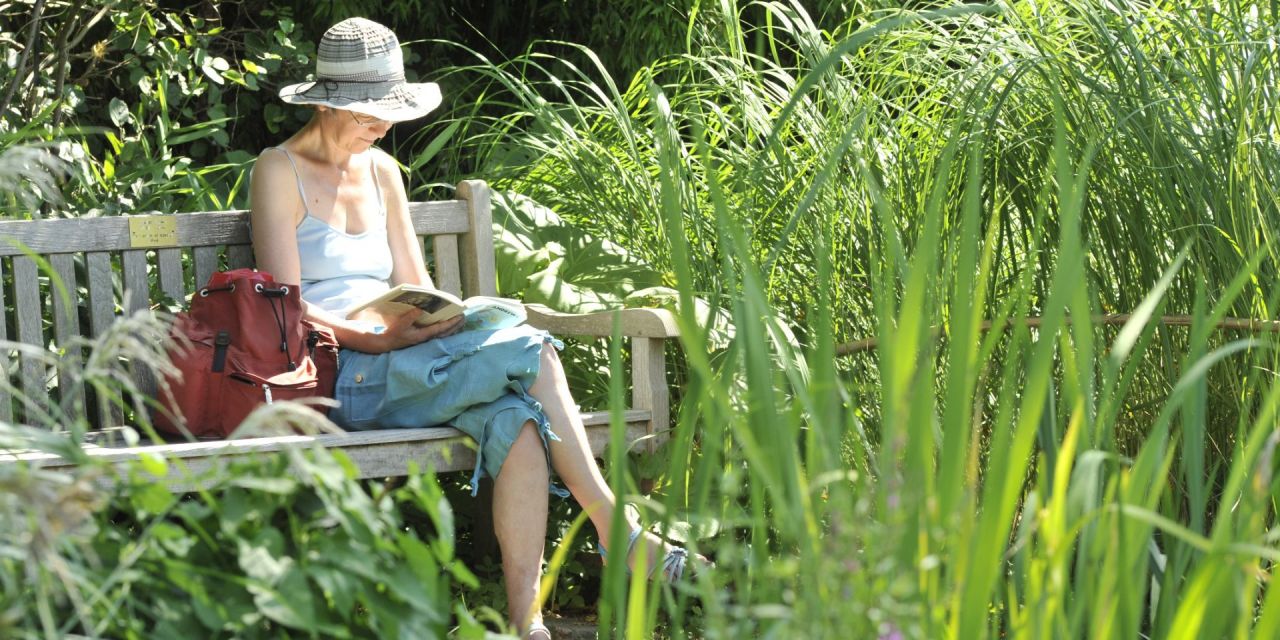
x: 904, y: 172
x: 153, y: 99
x: 546, y: 261
x: 825, y: 172
x: 280, y: 545
x: 287, y: 545
x: 309, y: 550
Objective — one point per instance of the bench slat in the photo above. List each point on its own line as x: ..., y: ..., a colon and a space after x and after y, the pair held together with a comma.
x: 447, y: 275
x: 66, y: 323
x: 171, y: 282
x: 376, y: 454
x: 138, y: 294
x: 136, y: 289
x: 239, y: 257
x: 206, y: 261
x: 102, y: 295
x: 102, y: 312
x: 26, y: 302
x: 6, y: 405
x: 479, y: 273
x: 649, y: 385
x: 74, y: 235
x: 204, y: 448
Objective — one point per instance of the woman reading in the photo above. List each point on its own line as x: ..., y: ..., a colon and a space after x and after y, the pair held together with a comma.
x: 329, y: 213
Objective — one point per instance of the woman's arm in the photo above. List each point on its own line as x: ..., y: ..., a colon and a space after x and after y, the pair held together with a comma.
x: 406, y: 254
x: 276, y: 209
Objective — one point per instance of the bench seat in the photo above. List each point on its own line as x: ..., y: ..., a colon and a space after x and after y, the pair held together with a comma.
x: 376, y: 454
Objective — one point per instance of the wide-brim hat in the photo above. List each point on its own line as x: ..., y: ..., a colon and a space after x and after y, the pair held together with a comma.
x: 359, y: 67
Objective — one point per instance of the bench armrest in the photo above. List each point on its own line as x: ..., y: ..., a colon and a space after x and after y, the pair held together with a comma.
x: 636, y: 323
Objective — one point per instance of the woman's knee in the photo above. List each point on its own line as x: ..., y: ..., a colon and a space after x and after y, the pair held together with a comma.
x: 527, y: 447
x: 550, y: 369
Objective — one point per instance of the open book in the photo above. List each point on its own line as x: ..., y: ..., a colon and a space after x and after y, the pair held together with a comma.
x: 482, y: 312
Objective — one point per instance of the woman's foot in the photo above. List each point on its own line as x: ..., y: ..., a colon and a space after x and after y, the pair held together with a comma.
x: 649, y: 555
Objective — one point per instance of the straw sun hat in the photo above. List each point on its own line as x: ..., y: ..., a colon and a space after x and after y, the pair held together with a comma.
x: 359, y: 67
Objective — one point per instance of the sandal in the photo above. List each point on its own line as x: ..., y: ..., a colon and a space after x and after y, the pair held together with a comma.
x: 537, y: 627
x: 673, y: 564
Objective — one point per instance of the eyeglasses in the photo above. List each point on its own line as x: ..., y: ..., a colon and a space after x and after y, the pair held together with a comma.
x: 367, y: 120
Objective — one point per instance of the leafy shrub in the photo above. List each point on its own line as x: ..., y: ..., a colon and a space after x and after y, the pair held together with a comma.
x: 284, y: 545
x: 153, y: 99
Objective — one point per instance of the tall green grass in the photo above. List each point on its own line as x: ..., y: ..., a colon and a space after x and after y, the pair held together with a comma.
x: 907, y: 177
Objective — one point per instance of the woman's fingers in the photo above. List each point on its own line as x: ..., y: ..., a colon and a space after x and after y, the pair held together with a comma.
x: 442, y: 328
x: 401, y: 331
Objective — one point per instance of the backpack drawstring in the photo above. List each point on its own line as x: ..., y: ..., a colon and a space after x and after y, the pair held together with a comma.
x: 281, y: 316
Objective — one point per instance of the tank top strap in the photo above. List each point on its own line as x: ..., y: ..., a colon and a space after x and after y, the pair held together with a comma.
x: 297, y: 176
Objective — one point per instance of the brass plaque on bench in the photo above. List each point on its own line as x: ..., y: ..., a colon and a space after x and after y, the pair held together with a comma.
x: 153, y: 231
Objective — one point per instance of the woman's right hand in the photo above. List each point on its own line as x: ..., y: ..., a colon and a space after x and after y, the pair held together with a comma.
x: 401, y: 332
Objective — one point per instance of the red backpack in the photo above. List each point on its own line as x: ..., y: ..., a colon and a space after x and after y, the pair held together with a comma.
x: 243, y: 343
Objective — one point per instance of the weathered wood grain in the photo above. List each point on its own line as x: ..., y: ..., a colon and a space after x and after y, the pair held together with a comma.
x: 447, y: 274
x: 27, y: 309
x: 203, y: 229
x: 376, y: 454
x: 171, y: 281
x: 6, y: 405
x: 475, y: 244
x: 206, y: 262
x: 636, y: 323
x: 66, y: 324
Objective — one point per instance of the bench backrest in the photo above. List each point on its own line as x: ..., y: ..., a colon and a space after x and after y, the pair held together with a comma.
x: 109, y: 265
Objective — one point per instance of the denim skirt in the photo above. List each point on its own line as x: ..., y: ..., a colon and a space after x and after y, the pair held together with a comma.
x: 475, y: 381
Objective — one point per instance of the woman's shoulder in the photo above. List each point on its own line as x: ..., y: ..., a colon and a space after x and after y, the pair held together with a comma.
x: 384, y: 164
x: 273, y: 156
x: 272, y: 164
x: 382, y: 160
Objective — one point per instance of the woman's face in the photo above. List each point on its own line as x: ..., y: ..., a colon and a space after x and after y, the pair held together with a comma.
x: 351, y: 131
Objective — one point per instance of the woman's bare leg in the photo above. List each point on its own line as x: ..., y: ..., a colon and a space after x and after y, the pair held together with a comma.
x: 520, y: 522
x: 572, y: 459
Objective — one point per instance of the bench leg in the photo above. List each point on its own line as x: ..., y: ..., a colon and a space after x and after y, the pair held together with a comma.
x: 649, y: 391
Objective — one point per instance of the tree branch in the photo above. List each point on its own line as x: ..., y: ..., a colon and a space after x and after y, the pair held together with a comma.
x: 21, y: 70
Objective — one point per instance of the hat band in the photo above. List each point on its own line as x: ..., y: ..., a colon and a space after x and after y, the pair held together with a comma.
x: 342, y: 92
x: 390, y: 66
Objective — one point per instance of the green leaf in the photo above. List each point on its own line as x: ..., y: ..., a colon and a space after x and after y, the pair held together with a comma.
x: 212, y: 73
x: 289, y: 601
x: 279, y: 486
x: 261, y: 558
x: 338, y: 587
x: 419, y: 557
x: 153, y: 464
x: 152, y: 498
x: 118, y: 111
x: 235, y: 76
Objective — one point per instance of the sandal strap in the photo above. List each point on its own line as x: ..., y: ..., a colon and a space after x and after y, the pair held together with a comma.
x: 673, y: 565
x: 631, y: 543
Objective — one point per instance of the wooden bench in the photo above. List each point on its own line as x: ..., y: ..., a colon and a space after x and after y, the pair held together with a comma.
x: 180, y: 251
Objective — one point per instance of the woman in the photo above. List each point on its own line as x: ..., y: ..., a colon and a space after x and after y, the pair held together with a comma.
x: 330, y: 213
